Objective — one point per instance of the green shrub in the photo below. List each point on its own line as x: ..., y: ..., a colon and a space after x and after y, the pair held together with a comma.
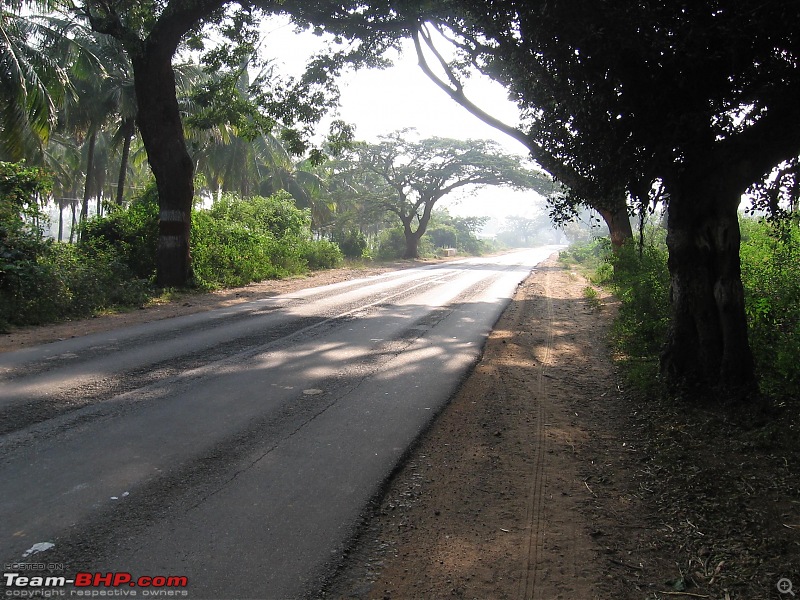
x: 239, y: 240
x: 321, y: 254
x: 391, y: 244
x: 770, y: 262
x: 770, y: 258
x: 639, y: 278
x: 275, y: 215
x: 640, y: 281
x: 443, y: 236
x: 590, y: 254
x: 352, y: 243
x: 131, y: 232
x: 228, y: 254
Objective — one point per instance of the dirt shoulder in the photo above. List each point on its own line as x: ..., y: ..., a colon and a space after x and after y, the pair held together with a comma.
x: 546, y: 478
x: 495, y: 502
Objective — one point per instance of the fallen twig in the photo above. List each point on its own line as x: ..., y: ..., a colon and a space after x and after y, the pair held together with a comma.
x: 624, y: 564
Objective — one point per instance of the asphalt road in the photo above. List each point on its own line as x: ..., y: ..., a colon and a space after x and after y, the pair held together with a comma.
x: 240, y: 447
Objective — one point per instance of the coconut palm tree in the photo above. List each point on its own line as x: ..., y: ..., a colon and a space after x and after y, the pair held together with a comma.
x: 33, y: 80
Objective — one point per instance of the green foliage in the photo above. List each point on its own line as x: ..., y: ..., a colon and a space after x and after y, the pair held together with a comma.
x: 353, y: 243
x: 639, y: 278
x: 132, y: 233
x: 240, y: 240
x: 391, y: 244
x: 447, y: 231
x: 592, y: 254
x: 321, y: 254
x: 443, y: 236
x: 236, y: 242
x: 771, y: 277
x: 770, y: 260
x: 227, y: 253
x: 43, y: 281
x: 20, y: 189
x: 640, y: 281
x: 276, y: 215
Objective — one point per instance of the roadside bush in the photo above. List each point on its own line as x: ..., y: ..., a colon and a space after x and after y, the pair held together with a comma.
x: 640, y: 280
x: 352, y: 243
x: 771, y: 277
x: 591, y: 254
x: 276, y: 215
x: 65, y: 281
x: 443, y: 236
x: 131, y: 232
x: 321, y: 254
x: 391, y: 245
x: 239, y: 240
x: 228, y: 254
x: 770, y: 263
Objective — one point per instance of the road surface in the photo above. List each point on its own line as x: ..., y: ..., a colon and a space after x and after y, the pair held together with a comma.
x: 240, y: 447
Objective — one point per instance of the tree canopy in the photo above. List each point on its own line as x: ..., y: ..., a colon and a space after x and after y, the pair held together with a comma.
x: 695, y: 101
x: 410, y: 176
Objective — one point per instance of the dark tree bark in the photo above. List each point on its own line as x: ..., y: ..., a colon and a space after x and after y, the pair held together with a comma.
x: 160, y: 125
x: 413, y: 237
x: 412, y: 243
x: 60, y: 220
x: 128, y: 129
x: 707, y: 346
x: 619, y: 224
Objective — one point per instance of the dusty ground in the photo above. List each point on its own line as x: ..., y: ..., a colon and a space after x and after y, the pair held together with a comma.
x: 495, y: 502
x: 546, y: 477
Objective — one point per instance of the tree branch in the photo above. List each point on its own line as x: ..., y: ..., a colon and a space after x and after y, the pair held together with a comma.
x: 456, y: 90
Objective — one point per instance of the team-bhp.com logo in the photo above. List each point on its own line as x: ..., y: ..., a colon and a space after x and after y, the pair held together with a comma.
x: 94, y: 585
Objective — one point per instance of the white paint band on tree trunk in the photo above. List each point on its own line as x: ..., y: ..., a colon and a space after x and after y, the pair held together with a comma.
x: 171, y: 241
x: 171, y: 215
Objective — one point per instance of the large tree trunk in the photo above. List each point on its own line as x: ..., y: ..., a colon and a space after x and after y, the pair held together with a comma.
x: 412, y: 246
x: 619, y: 224
x: 707, y: 348
x: 412, y: 241
x: 162, y: 133
x: 413, y: 237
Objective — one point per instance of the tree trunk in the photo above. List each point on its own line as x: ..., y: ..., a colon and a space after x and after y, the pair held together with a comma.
x: 72, y: 227
x: 619, y: 224
x: 128, y: 129
x: 412, y: 240
x: 413, y: 237
x: 87, y: 188
x: 162, y: 133
x: 412, y: 246
x: 707, y: 347
x: 60, y: 220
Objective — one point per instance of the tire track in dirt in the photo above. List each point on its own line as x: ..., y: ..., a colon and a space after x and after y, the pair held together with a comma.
x: 535, y: 514
x: 492, y: 503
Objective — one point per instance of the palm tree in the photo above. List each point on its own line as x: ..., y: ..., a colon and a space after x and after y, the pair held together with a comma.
x: 33, y: 80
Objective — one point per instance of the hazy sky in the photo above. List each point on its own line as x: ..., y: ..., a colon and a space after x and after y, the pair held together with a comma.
x: 381, y: 101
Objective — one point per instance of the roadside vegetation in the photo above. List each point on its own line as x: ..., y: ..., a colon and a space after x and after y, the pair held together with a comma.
x: 638, y: 276
x: 235, y: 241
x: 720, y: 479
